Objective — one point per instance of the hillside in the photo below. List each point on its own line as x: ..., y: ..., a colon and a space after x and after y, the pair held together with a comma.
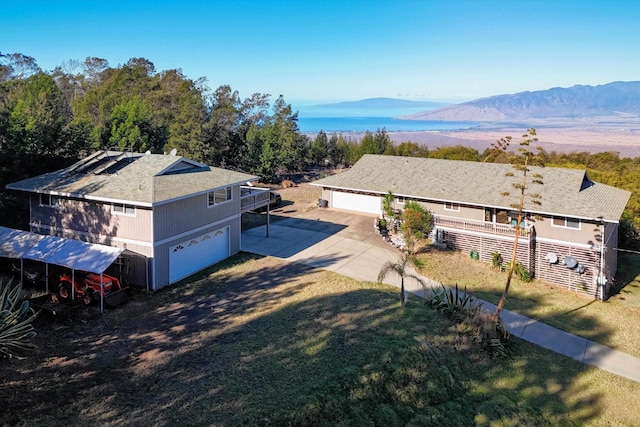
x: 620, y: 99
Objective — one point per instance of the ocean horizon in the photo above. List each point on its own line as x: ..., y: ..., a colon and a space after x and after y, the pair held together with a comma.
x: 372, y: 124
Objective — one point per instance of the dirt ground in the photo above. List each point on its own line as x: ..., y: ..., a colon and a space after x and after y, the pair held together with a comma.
x: 623, y: 139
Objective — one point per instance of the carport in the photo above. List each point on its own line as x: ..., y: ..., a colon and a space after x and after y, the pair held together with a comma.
x: 73, y: 254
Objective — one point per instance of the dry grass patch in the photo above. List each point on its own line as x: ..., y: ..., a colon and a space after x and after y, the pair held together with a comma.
x: 615, y: 323
x: 256, y: 341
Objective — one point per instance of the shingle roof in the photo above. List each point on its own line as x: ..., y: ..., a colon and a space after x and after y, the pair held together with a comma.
x: 135, y: 178
x: 566, y: 192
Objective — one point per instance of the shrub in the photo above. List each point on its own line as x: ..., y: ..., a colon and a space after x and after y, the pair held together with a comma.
x: 496, y: 261
x: 16, y: 329
x: 521, y: 271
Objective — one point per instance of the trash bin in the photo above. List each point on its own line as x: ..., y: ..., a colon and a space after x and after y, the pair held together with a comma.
x: 323, y: 203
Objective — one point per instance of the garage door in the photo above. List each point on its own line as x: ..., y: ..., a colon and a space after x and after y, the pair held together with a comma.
x: 356, y: 202
x: 198, y: 253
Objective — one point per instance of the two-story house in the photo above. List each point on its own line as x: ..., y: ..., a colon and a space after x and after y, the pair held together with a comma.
x: 570, y: 239
x: 174, y: 216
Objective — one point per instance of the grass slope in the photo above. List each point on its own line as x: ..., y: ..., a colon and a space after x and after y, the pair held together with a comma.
x: 255, y: 341
x: 614, y: 323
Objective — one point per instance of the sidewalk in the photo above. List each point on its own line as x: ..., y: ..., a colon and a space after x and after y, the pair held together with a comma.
x: 348, y: 251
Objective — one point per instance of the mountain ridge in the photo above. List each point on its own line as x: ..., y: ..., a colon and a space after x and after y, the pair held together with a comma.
x: 578, y: 101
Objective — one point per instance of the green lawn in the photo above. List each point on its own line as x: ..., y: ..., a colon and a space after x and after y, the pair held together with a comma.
x: 255, y: 341
x: 615, y: 322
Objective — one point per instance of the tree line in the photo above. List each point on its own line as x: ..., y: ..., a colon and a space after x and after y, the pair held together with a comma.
x: 49, y: 120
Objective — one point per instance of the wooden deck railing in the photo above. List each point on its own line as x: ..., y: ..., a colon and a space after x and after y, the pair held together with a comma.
x: 253, y: 198
x: 480, y: 226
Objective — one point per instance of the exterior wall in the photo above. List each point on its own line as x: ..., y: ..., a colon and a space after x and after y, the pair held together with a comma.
x: 559, y: 274
x: 91, y: 221
x: 588, y: 234
x: 184, y: 215
x: 161, y: 251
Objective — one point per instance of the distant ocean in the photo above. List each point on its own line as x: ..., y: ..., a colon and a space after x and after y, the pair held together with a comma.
x: 344, y: 120
x: 362, y: 124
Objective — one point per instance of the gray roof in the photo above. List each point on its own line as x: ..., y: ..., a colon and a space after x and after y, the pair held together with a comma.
x: 134, y: 178
x: 566, y: 192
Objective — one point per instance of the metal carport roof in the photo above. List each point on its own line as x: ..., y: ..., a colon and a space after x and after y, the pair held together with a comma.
x: 74, y: 254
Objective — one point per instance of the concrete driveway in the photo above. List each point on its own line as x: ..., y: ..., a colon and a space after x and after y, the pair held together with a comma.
x: 335, y: 240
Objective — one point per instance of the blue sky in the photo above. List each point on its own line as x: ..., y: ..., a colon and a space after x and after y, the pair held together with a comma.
x: 335, y: 50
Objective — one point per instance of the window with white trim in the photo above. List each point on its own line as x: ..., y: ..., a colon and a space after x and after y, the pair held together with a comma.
x: 453, y: 207
x: 49, y: 200
x: 122, y: 209
x: 565, y: 222
x: 220, y: 195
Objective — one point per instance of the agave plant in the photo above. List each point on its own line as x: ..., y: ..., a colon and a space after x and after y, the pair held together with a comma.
x: 450, y: 301
x: 16, y: 316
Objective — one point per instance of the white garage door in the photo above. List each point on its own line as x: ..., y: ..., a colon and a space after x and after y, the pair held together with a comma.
x: 198, y: 253
x: 357, y: 202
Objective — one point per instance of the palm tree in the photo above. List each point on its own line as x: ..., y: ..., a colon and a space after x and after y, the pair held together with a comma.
x: 400, y: 268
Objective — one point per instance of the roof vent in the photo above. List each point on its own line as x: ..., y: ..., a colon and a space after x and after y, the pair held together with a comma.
x: 551, y: 258
x: 570, y: 262
x: 580, y: 269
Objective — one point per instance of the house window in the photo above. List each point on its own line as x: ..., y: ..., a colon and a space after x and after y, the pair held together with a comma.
x: 401, y: 200
x: 564, y: 222
x: 220, y: 195
x: 122, y: 209
x: 453, y: 207
x: 49, y: 200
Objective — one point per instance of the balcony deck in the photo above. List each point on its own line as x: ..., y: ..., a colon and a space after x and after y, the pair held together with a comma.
x: 252, y: 198
x: 491, y: 228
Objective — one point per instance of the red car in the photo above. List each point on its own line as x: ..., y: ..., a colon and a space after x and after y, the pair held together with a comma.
x: 87, y: 286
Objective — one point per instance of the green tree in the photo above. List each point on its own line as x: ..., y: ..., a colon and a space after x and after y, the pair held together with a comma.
x: 522, y: 183
x: 131, y: 126
x: 318, y: 151
x: 457, y: 152
x: 411, y: 149
x: 37, y: 113
x: 378, y: 143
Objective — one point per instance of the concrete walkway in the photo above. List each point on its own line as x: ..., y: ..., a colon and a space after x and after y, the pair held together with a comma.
x: 345, y: 243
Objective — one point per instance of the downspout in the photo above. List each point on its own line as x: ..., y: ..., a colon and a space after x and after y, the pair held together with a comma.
x: 601, y: 275
x: 153, y: 241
